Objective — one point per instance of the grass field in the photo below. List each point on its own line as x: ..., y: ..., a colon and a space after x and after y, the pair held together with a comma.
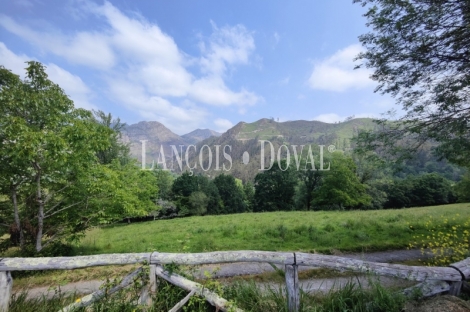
x: 277, y: 231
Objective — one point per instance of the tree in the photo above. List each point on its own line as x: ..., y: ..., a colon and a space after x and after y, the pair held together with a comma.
x: 50, y: 170
x: 462, y: 189
x: 310, y: 180
x: 275, y: 189
x: 125, y: 191
x: 230, y: 193
x: 341, y: 187
x: 420, y: 52
x: 249, y: 195
x: 46, y: 147
x: 198, y: 201
x: 164, y: 182
x: 431, y: 189
x: 422, y: 190
x: 116, y: 149
x: 208, y: 187
x: 181, y: 189
x: 186, y: 184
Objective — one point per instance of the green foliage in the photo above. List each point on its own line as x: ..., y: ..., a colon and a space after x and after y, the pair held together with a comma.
x: 208, y: 187
x: 310, y: 181
x: 462, y: 189
x: 123, y: 191
x: 187, y: 184
x: 61, y: 169
x: 275, y: 188
x: 164, y: 181
x: 47, y: 148
x: 249, y: 195
x: 231, y: 193
x: 116, y: 149
x: 431, y: 83
x: 341, y: 188
x: 198, y: 201
x: 424, y: 190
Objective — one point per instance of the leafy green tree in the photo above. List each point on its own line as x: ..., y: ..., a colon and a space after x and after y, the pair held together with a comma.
x: 164, y: 181
x: 421, y: 190
x: 125, y: 191
x: 310, y: 180
x: 431, y: 189
x: 419, y: 50
x: 181, y: 189
x: 398, y: 193
x: 249, y: 195
x: 341, y: 188
x: 215, y: 204
x: 50, y: 169
x: 198, y: 201
x: 230, y: 193
x: 46, y: 147
x: 275, y: 189
x: 116, y: 149
x: 186, y: 184
x: 462, y: 189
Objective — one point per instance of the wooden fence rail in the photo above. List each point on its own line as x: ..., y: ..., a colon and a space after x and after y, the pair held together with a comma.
x: 433, y: 279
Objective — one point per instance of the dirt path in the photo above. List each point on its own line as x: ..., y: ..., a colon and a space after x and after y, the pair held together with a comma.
x: 237, y: 269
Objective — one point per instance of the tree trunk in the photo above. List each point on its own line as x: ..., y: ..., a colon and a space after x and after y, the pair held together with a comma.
x: 17, y: 214
x: 40, y: 211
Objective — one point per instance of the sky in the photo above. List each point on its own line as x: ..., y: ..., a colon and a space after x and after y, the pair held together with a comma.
x: 199, y: 63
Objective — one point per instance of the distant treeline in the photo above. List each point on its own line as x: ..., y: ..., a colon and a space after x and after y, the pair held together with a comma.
x: 353, y: 182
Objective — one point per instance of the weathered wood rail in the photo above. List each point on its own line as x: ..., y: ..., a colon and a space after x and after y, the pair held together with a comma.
x: 433, y: 279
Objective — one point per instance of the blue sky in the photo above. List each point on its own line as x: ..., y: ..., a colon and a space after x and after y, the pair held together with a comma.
x: 199, y: 63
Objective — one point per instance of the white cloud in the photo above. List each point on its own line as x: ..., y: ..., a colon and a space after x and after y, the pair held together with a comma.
x: 143, y: 68
x: 180, y: 119
x: 86, y: 48
x: 336, y: 73
x: 213, y: 90
x: 13, y: 62
x: 73, y: 85
x: 332, y: 118
x: 222, y: 124
x: 226, y: 46
x: 147, y: 55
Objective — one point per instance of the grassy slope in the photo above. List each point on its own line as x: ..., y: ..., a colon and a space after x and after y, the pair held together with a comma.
x: 265, y: 128
x: 305, y: 231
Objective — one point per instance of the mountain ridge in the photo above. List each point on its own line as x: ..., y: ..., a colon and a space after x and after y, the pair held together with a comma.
x: 241, y: 138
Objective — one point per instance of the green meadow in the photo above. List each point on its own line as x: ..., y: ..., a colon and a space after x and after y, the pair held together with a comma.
x: 308, y: 231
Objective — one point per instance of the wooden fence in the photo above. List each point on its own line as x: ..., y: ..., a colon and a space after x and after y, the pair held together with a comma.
x: 433, y: 280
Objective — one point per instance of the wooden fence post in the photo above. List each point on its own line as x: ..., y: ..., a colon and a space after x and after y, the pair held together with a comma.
x: 6, y: 283
x: 292, y: 285
x: 455, y: 287
x: 153, y: 278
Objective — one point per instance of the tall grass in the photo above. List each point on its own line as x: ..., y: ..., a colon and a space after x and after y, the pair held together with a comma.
x: 351, y: 297
x: 245, y: 295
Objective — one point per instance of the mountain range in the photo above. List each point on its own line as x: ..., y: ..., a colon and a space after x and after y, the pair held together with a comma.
x: 242, y: 143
